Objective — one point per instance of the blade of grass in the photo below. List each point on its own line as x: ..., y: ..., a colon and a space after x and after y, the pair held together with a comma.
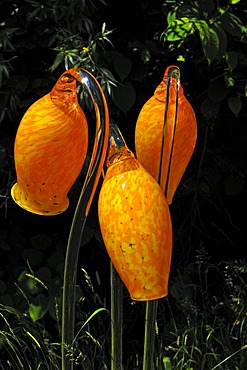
x: 227, y: 358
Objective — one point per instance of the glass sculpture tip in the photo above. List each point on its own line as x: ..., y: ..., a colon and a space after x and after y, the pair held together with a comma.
x: 116, y: 139
x: 173, y: 72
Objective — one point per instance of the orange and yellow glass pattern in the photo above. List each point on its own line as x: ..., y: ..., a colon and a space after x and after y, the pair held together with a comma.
x: 50, y: 148
x: 166, y: 132
x: 135, y: 224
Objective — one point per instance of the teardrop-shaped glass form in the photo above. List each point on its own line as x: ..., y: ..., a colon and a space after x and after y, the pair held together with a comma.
x: 50, y: 148
x: 166, y: 133
x: 135, y: 223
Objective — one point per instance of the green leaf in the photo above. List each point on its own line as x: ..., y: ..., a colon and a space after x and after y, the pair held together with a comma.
x: 232, y: 2
x: 232, y: 24
x: 232, y: 59
x: 58, y: 60
x: 209, y: 109
x: 166, y: 361
x: 211, y: 48
x: 145, y: 55
x: 189, y: 11
x: 181, y: 58
x: 179, y: 29
x: 229, y: 80
x: 222, y: 40
x: 35, y: 312
x: 124, y: 97
x: 217, y: 89
x: 122, y: 66
x: 209, y: 39
x: 38, y: 310
x: 30, y: 283
x: 54, y: 260
x: 171, y: 17
x: 235, y: 104
x: 206, y: 6
x: 139, y: 72
x: 234, y: 184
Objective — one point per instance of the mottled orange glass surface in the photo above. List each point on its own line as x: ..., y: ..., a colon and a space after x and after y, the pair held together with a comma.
x: 156, y: 128
x: 136, y: 226
x: 50, y: 149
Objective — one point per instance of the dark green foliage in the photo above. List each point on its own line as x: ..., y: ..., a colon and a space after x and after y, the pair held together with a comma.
x: 208, y: 323
x: 128, y: 45
x: 37, y: 38
x: 30, y: 312
x: 200, y: 26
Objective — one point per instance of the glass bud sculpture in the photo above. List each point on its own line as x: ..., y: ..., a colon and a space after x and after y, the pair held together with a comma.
x: 50, y: 148
x: 135, y: 223
x: 165, y: 134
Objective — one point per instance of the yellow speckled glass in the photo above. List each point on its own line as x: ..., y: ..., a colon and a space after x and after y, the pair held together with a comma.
x: 166, y: 131
x: 135, y: 223
x: 50, y: 148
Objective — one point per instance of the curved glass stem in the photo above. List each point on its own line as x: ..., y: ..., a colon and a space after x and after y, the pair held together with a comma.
x: 116, y: 320
x: 117, y: 146
x: 149, y: 337
x: 173, y: 78
x: 81, y: 213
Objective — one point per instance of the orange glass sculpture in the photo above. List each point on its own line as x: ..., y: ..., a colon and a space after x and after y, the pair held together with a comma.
x: 135, y: 223
x: 50, y: 148
x: 166, y: 132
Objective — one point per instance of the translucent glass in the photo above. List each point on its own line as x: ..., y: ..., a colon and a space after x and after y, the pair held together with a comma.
x: 50, y: 148
x: 135, y: 223
x: 166, y: 133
